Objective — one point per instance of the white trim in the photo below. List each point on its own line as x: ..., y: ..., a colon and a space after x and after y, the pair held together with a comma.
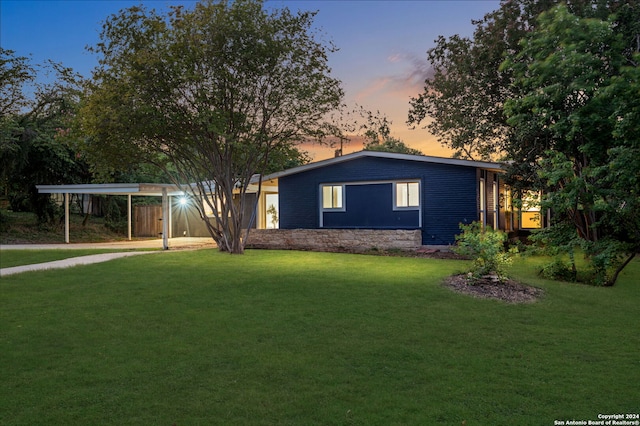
x: 496, y: 207
x: 147, y: 189
x: 482, y: 202
x: 129, y: 217
x: 66, y: 217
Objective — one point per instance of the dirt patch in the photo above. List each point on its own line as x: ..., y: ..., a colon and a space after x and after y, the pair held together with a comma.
x: 510, y: 291
x: 438, y: 254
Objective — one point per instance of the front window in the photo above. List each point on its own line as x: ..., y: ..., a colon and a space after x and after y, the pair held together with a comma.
x: 530, y: 214
x: 407, y: 194
x: 332, y: 197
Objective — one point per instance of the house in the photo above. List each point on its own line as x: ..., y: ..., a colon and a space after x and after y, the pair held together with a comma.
x: 387, y: 191
x: 366, y: 190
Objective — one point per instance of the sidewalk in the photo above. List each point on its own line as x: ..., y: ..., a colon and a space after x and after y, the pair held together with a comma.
x: 174, y: 243
x: 73, y: 261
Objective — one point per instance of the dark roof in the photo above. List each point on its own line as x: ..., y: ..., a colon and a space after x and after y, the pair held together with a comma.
x: 390, y: 155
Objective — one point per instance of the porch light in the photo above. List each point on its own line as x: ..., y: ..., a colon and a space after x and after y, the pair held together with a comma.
x: 183, y: 201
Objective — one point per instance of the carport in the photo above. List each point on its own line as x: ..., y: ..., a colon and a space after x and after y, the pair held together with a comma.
x: 166, y: 191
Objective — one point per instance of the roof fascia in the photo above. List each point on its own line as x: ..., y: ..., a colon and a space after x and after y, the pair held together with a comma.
x: 146, y: 189
x: 389, y: 155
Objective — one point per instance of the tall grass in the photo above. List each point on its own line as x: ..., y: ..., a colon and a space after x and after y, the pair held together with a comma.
x: 300, y: 338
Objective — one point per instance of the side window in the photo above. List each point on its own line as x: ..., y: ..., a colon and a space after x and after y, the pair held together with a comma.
x: 407, y: 195
x: 530, y: 214
x: 483, y: 200
x: 332, y: 197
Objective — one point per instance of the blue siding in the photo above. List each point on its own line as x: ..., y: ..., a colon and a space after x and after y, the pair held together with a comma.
x: 449, y: 195
x: 371, y: 207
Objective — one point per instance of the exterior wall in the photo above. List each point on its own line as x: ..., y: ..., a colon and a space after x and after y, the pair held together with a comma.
x: 186, y: 221
x: 358, y: 240
x: 360, y: 214
x: 449, y: 193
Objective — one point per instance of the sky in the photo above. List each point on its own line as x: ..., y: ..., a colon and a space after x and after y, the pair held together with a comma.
x: 382, y: 44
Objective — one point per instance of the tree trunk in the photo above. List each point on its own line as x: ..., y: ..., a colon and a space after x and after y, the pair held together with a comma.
x: 614, y: 277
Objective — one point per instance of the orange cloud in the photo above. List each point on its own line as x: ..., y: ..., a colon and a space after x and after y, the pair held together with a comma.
x: 408, y: 83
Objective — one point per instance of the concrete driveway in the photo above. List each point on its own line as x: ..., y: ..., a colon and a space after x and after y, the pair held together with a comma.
x: 174, y: 243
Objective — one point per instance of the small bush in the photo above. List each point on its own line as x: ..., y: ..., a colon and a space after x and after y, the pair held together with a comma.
x: 487, y: 249
x: 558, y: 270
x: 4, y: 221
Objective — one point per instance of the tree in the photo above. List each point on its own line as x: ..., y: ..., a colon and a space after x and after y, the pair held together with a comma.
x: 213, y: 93
x: 15, y: 73
x: 44, y: 151
x: 34, y: 123
x: 560, y: 110
x: 373, y: 127
x: 462, y: 102
x: 569, y: 118
x: 377, y: 135
x: 392, y: 144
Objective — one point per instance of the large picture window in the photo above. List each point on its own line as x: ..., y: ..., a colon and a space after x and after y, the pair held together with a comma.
x: 407, y: 195
x: 332, y: 197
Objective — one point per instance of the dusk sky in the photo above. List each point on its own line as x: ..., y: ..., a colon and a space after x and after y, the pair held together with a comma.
x: 381, y: 61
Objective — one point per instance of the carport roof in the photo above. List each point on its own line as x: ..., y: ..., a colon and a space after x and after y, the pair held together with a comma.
x: 145, y: 189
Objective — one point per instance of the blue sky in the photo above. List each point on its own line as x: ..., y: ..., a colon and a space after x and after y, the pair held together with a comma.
x: 381, y: 61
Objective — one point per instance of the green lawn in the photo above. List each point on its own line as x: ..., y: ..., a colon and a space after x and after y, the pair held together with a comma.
x: 301, y: 338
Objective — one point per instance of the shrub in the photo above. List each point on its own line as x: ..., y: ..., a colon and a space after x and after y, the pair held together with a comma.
x: 4, y: 221
x: 487, y: 249
x: 558, y: 269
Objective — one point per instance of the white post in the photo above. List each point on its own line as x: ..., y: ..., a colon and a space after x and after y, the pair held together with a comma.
x: 165, y: 220
x: 129, y: 216
x: 66, y: 218
x: 170, y: 217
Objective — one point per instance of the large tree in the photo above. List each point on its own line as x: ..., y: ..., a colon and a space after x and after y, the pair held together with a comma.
x: 560, y: 110
x: 463, y: 99
x: 573, y: 115
x: 15, y: 73
x: 35, y: 120
x: 212, y: 94
x: 462, y: 102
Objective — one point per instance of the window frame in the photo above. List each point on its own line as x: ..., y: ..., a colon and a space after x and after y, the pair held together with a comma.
x: 408, y: 182
x: 343, y: 201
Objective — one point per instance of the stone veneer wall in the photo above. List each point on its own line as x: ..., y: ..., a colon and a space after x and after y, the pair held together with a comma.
x: 334, y: 239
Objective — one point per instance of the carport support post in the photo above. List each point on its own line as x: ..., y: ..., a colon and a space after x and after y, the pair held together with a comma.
x: 170, y: 218
x: 129, y: 216
x: 165, y: 219
x: 66, y: 217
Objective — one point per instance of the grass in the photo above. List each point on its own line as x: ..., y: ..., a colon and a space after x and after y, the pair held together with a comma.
x: 301, y: 338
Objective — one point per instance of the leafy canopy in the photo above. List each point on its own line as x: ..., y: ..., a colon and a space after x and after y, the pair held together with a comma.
x: 211, y: 95
x: 566, y: 72
x: 553, y: 89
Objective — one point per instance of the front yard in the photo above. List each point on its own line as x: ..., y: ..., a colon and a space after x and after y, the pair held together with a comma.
x: 302, y: 338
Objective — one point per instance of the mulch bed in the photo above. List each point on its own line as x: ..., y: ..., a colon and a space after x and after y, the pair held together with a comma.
x: 509, y: 291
